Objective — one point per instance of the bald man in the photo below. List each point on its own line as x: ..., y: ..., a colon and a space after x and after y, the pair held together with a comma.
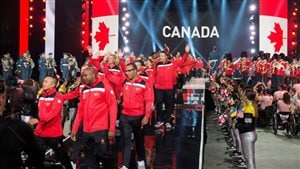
x: 49, y: 130
x: 97, y: 110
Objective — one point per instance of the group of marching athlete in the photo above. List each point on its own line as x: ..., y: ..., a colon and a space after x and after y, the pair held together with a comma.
x: 112, y: 90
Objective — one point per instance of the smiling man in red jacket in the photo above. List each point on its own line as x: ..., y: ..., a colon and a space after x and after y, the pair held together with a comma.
x: 97, y: 110
x: 49, y: 130
x: 136, y: 112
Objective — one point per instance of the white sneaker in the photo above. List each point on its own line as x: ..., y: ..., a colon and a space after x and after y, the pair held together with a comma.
x: 73, y: 165
x: 141, y: 164
x: 158, y: 124
x: 168, y: 126
x: 123, y: 167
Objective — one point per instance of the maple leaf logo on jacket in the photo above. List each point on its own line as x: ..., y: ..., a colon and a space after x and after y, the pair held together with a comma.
x: 276, y: 37
x: 102, y: 35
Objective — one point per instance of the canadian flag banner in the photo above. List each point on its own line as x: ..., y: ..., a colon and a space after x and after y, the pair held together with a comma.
x: 273, y: 26
x: 105, y: 25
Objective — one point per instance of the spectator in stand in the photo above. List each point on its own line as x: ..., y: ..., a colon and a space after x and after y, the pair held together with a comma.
x: 285, y: 106
x: 7, y: 65
x: 15, y: 137
x: 136, y: 111
x: 279, y: 93
x: 97, y: 110
x: 164, y: 87
x: 213, y: 61
x: 49, y: 130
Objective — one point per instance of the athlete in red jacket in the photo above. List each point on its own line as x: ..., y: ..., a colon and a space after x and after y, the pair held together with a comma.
x: 98, y: 111
x: 136, y: 111
x: 164, y: 86
x: 49, y: 130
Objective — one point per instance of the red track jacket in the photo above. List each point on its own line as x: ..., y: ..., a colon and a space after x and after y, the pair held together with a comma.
x: 137, y: 97
x: 97, y: 107
x: 50, y: 105
x: 164, y: 73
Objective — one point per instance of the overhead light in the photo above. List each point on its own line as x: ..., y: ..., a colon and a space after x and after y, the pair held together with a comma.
x: 252, y: 27
x: 252, y: 7
x: 126, y: 49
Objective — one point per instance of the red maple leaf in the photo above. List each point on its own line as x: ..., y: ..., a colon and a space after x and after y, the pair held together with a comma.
x: 102, y: 35
x: 276, y: 37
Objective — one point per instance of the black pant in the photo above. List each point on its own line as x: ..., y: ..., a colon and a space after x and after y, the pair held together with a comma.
x: 129, y: 125
x: 166, y: 97
x: 96, y: 149
x: 56, y: 145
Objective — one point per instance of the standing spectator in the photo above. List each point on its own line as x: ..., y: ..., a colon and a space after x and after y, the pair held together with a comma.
x: 97, y: 110
x: 136, y: 111
x: 49, y: 130
x: 213, y: 60
x: 65, y: 67
x: 42, y: 67
x: 30, y: 65
x: 50, y: 62
x: 22, y: 66
x: 73, y: 66
x: 246, y: 125
x: 7, y: 65
x: 164, y: 86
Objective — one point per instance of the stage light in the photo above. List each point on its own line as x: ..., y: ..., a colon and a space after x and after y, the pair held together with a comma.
x: 31, y: 8
x: 251, y: 37
x: 83, y: 32
x: 253, y: 50
x: 30, y: 17
x: 123, y: 18
x: 295, y: 26
x: 252, y: 42
x: 126, y: 41
x: 83, y: 23
x: 296, y: 9
x: 127, y: 15
x: 126, y: 24
x: 252, y: 27
x: 124, y: 9
x: 44, y: 38
x: 294, y: 13
x: 124, y: 38
x: 31, y: 0
x: 31, y: 26
x: 44, y: 19
x: 253, y: 33
x: 294, y: 43
x: 251, y: 18
x: 252, y: 7
x: 126, y: 49
x: 123, y: 28
x: 123, y: 1
x: 44, y: 1
x: 126, y: 33
x: 293, y: 33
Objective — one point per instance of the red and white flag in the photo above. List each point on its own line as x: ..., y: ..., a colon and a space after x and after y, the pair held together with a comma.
x: 105, y: 25
x: 273, y: 26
